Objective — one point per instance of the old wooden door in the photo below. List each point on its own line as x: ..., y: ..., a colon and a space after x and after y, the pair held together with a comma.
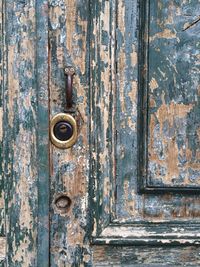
x: 127, y: 192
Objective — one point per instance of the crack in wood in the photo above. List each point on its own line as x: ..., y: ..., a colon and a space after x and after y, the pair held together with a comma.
x: 192, y: 24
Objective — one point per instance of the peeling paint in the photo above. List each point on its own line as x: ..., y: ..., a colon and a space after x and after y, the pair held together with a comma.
x: 68, y: 47
x: 20, y: 131
x: 173, y: 101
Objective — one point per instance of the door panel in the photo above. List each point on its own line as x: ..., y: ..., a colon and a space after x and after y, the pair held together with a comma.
x: 173, y: 92
x: 126, y: 209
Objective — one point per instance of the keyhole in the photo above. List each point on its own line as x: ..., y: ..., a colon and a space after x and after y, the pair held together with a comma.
x: 63, y: 130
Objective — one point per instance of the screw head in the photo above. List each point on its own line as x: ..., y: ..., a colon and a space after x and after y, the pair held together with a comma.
x: 69, y: 71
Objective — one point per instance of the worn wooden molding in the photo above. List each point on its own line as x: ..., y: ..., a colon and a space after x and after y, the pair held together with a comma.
x: 145, y: 256
x: 152, y: 234
x: 2, y: 248
x: 102, y: 108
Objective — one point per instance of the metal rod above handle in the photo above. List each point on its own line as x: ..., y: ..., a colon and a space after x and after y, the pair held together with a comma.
x: 69, y: 72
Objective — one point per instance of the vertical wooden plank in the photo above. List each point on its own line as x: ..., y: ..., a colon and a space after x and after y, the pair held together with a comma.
x: 69, y: 167
x: 42, y: 72
x: 20, y: 152
x: 25, y: 146
x: 2, y: 204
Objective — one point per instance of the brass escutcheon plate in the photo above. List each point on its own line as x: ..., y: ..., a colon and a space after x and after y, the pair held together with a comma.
x: 68, y: 118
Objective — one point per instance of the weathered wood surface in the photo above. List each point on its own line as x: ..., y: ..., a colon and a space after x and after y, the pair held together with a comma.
x: 2, y: 249
x: 114, y: 124
x: 68, y: 42
x: 2, y: 204
x: 42, y: 79
x: 108, y: 30
x: 101, y: 40
x: 2, y: 193
x: 174, y: 94
x: 23, y: 99
x: 169, y: 207
x: 20, y: 152
x: 144, y: 256
x: 102, y: 109
x: 115, y: 131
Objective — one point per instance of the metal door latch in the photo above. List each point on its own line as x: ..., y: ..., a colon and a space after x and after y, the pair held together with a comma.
x: 63, y: 126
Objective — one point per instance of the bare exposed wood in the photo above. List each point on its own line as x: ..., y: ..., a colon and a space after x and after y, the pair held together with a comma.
x: 2, y: 248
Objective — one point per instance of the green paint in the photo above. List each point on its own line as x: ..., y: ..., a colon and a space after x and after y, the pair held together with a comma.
x: 42, y: 133
x: 25, y: 134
